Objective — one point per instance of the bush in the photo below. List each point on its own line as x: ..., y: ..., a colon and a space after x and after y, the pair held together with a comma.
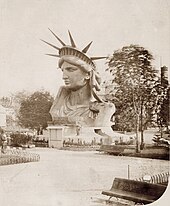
x: 19, y: 139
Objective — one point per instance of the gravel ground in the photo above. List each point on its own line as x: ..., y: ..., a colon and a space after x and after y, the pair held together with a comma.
x: 70, y: 178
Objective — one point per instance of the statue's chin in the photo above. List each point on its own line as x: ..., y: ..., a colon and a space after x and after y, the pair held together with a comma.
x: 74, y: 88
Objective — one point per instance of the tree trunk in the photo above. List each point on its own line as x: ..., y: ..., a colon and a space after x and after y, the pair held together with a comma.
x: 142, y: 140
x: 141, y: 122
x: 137, y: 134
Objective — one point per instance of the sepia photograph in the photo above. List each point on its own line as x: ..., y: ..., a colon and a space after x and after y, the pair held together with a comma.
x: 84, y: 102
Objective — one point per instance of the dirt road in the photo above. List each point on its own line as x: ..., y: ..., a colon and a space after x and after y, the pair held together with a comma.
x: 67, y: 178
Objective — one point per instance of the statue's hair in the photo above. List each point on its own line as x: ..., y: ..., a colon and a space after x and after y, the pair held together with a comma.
x: 76, y: 62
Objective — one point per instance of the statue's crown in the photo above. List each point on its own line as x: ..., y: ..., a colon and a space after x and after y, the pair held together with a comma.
x: 72, y: 50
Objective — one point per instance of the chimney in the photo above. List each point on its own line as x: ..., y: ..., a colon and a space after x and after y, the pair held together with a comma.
x: 164, y: 76
x: 165, y: 83
x: 168, y: 106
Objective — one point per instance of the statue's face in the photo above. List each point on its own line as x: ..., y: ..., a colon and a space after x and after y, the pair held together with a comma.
x: 74, y: 78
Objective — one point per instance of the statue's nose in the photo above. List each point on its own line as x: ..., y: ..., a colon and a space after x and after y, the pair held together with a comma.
x: 65, y: 76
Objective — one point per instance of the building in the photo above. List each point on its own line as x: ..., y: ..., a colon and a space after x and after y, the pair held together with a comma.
x: 2, y: 117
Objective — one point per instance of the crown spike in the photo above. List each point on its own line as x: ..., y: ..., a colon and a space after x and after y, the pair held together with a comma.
x: 71, y: 40
x: 96, y: 58
x: 87, y: 47
x: 53, y: 55
x: 50, y: 44
x: 57, y: 38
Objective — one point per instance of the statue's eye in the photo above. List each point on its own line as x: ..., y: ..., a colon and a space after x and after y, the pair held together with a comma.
x: 71, y: 69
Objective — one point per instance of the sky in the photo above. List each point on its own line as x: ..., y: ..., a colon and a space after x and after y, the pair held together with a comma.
x: 110, y: 24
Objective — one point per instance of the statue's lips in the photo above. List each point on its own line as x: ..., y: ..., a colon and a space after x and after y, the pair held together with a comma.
x: 66, y: 82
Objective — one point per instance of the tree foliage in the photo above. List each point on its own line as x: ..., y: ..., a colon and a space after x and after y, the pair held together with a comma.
x: 34, y: 110
x: 136, y: 87
x: 18, y: 139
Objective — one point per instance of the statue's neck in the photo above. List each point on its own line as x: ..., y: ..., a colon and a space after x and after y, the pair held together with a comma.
x: 81, y: 96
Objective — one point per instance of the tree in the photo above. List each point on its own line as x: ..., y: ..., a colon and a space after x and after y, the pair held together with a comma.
x: 135, y: 77
x: 12, y: 104
x: 34, y: 110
